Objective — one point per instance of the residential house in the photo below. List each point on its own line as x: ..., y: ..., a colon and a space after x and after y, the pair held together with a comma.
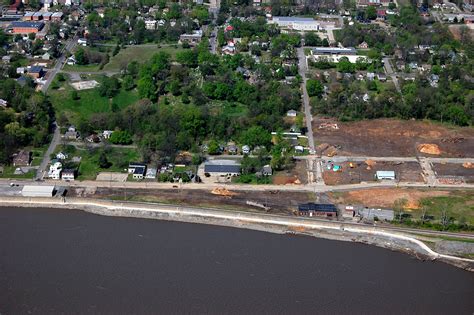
x: 106, y: 134
x: 192, y: 38
x: 61, y: 156
x: 93, y: 138
x: 245, y: 149
x: 82, y: 41
x: 22, y: 158
x: 291, y: 113
x: 68, y: 174
x: 35, y: 72
x: 139, y: 173
x: 363, y: 45
x: 267, y: 170
x: 232, y: 149
x: 55, y: 170
x: 6, y: 59
x: 381, y: 77
x: 3, y: 103
x: 150, y: 24
x: 151, y: 173
x: 299, y: 149
x: 132, y: 166
x: 71, y: 133
x: 71, y: 61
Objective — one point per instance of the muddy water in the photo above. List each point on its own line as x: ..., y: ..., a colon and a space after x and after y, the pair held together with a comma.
x: 63, y: 261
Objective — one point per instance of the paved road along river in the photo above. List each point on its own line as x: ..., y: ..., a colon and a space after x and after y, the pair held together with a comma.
x: 63, y: 261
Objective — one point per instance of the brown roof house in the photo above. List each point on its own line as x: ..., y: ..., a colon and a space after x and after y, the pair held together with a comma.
x: 22, y: 158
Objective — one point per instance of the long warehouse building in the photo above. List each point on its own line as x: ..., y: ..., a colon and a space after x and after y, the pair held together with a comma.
x: 38, y: 191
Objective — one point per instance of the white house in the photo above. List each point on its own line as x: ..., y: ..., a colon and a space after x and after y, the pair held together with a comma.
x: 55, y: 170
x: 245, y: 149
x: 291, y: 113
x: 106, y: 134
x: 61, y: 156
x: 150, y: 24
x: 3, y: 103
x: 82, y: 41
x: 68, y: 175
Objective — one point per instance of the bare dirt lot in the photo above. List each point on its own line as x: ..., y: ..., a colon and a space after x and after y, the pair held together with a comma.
x: 296, y: 175
x: 279, y: 202
x: 385, y: 197
x: 454, y: 169
x: 362, y: 172
x: 391, y: 137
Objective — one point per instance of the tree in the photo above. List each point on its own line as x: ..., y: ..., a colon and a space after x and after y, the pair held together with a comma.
x: 325, y: 42
x: 81, y: 57
x: 74, y: 95
x: 103, y: 161
x: 109, y: 87
x: 256, y: 136
x: 314, y: 88
x: 399, y: 206
x: 371, y: 13
x: 121, y: 137
x: 312, y: 39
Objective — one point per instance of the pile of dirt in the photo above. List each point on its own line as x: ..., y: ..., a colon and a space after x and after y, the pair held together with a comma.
x: 370, y: 164
x: 327, y: 149
x: 429, y: 149
x: 220, y: 191
x: 468, y: 165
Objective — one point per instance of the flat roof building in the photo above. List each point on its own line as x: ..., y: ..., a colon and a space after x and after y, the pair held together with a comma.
x: 385, y: 175
x: 27, y: 27
x: 38, y: 191
x: 296, y: 23
x: 317, y: 209
x: 222, y: 167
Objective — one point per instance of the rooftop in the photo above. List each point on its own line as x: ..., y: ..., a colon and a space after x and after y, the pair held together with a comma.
x: 28, y: 24
x: 334, y: 51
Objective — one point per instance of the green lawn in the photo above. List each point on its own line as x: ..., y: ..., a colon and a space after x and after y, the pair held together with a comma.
x: 458, y: 205
x: 82, y: 68
x: 89, y: 102
x: 9, y: 170
x: 137, y: 53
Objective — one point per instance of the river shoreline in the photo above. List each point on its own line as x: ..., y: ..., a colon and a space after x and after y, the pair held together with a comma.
x: 252, y: 221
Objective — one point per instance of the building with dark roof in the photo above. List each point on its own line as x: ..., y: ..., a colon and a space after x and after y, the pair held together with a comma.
x: 317, y: 209
x: 222, y: 168
x: 24, y: 27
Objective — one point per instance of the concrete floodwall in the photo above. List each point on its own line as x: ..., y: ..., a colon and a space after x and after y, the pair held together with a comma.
x: 263, y: 222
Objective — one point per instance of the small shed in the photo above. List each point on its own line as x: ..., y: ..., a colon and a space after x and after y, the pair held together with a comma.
x: 385, y: 175
x: 38, y: 191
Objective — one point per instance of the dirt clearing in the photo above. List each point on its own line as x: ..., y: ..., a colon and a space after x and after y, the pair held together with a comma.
x: 392, y: 137
x: 356, y: 172
x: 447, y: 170
x: 385, y: 197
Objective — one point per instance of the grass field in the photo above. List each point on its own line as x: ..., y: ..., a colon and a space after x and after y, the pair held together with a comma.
x: 9, y: 170
x: 89, y: 102
x: 137, y: 53
x: 89, y: 165
x: 457, y: 204
x: 82, y: 68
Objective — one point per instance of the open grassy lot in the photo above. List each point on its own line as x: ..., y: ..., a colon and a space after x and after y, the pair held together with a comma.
x: 459, y: 205
x: 9, y: 170
x: 89, y: 102
x: 138, y: 53
x: 82, y: 68
x: 118, y: 159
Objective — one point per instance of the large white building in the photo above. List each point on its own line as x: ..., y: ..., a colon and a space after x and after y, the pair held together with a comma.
x: 334, y: 54
x: 296, y: 23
